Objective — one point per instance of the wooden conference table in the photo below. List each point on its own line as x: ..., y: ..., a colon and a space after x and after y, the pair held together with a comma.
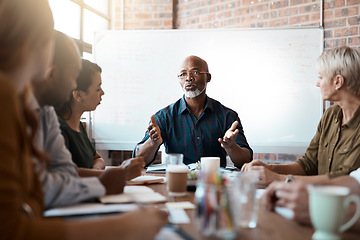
x: 270, y: 225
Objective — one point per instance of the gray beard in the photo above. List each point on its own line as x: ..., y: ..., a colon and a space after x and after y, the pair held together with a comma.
x: 193, y: 94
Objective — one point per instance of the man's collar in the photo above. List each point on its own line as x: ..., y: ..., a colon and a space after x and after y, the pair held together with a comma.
x: 183, y: 107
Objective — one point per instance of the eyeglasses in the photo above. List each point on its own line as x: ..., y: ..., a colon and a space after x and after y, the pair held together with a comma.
x: 194, y: 73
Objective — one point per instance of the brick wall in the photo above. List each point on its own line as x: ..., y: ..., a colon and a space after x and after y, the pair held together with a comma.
x: 143, y: 14
x: 341, y: 23
x: 247, y: 13
x: 340, y: 19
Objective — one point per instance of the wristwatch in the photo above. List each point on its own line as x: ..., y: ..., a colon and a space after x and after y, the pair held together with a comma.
x: 289, y: 178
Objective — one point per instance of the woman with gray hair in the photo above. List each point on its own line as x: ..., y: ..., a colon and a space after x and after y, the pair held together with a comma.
x: 335, y: 149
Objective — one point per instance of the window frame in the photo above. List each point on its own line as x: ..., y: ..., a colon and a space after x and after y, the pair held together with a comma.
x: 82, y: 45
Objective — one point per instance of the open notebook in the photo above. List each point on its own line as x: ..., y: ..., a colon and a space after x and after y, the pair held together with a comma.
x: 137, y: 194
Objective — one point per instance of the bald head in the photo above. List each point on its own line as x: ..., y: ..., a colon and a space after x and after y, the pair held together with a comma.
x: 195, y: 61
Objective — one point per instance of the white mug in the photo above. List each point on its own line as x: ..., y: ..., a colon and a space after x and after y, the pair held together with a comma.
x: 328, y: 206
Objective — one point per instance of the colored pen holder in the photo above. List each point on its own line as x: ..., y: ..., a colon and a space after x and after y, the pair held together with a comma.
x: 214, y: 216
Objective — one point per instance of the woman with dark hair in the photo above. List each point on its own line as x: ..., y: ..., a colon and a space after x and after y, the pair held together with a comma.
x: 86, y: 97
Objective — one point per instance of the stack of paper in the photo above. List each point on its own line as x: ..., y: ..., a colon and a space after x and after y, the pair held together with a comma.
x: 143, y: 180
x: 138, y: 194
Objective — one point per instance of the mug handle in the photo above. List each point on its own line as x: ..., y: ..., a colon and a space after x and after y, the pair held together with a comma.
x: 349, y: 199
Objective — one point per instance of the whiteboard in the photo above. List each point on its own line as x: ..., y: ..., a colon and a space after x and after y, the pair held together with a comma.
x: 267, y: 76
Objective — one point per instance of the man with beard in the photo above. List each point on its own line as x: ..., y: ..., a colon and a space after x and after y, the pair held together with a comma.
x: 196, y: 125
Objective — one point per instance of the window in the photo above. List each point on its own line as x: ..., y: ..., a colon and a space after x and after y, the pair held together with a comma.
x: 80, y: 19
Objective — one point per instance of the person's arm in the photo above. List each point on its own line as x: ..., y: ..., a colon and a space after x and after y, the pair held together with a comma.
x: 290, y: 195
x: 113, y: 179
x: 133, y: 167
x: 276, y: 172
x: 237, y: 154
x: 291, y: 168
x: 148, y: 149
x: 86, y: 172
x: 306, y: 165
x: 295, y: 196
x: 61, y: 183
x: 99, y: 162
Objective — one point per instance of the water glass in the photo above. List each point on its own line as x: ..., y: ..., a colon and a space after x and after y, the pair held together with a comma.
x: 246, y: 205
x: 214, y: 214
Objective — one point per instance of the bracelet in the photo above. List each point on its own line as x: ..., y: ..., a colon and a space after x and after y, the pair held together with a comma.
x: 289, y: 178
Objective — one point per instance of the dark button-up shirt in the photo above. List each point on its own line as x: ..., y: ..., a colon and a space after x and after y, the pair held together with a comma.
x: 183, y: 133
x: 335, y: 148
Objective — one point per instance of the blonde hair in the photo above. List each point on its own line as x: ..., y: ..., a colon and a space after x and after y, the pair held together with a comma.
x: 344, y: 61
x: 24, y: 25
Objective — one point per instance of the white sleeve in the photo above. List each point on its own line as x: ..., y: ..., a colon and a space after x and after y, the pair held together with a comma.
x: 356, y: 174
x: 61, y: 183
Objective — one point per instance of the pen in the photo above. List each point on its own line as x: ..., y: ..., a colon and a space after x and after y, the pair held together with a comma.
x: 137, y: 151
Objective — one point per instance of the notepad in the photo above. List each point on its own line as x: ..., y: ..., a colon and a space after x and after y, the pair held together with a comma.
x: 161, y: 168
x: 137, y: 194
x: 178, y: 216
x: 156, y: 168
x: 143, y: 180
x: 179, y: 205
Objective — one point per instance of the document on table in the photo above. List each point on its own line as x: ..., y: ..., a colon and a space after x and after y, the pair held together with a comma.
x: 178, y: 216
x: 144, y: 180
x: 179, y: 205
x: 88, y: 209
x: 138, y: 194
x: 161, y: 168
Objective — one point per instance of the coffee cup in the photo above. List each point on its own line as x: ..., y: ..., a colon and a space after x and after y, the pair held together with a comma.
x: 176, y: 174
x: 328, y: 207
x: 210, y: 164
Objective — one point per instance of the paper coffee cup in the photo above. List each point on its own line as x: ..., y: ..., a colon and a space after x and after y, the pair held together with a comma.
x: 210, y: 164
